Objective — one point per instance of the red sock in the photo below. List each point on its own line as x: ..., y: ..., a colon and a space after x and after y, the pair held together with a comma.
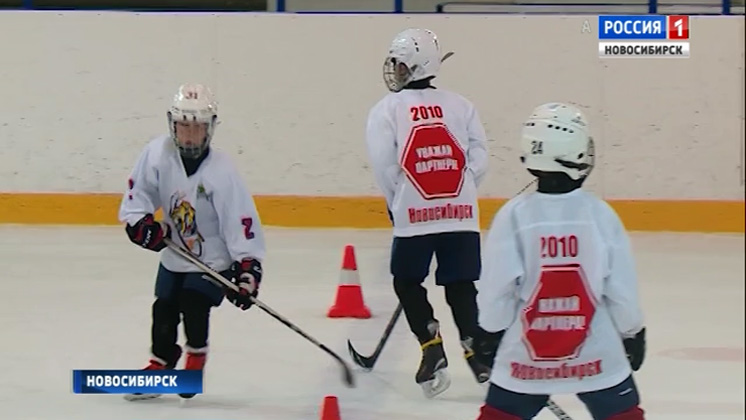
x: 195, y: 361
x: 491, y: 413
x: 634, y: 413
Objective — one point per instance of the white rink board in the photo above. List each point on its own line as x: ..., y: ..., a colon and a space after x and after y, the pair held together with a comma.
x: 295, y: 91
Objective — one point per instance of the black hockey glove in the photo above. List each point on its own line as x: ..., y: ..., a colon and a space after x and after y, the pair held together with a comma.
x: 485, y: 346
x: 247, y: 275
x: 635, y: 348
x: 148, y: 233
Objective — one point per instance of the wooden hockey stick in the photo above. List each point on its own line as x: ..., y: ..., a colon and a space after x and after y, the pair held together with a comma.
x: 347, y: 376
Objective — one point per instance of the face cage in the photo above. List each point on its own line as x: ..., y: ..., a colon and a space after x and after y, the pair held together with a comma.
x: 194, y: 151
x: 396, y: 75
x: 591, y: 159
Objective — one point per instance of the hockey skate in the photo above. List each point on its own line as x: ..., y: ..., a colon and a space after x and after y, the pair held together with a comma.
x: 432, y: 374
x: 155, y: 364
x: 481, y: 372
x: 194, y: 361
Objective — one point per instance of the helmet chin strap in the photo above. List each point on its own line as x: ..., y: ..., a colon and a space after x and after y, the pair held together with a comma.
x: 556, y: 182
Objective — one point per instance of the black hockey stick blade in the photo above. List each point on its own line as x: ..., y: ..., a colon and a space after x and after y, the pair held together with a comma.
x: 360, y: 360
x: 347, y: 376
x: 368, y: 362
x: 447, y: 56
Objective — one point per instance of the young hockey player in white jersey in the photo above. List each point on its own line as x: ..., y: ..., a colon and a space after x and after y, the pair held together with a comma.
x: 558, y: 296
x: 207, y: 209
x: 428, y: 151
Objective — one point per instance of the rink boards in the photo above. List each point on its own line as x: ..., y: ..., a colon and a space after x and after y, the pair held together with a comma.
x: 366, y: 212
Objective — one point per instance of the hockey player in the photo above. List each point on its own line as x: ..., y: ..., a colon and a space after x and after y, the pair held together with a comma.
x: 207, y: 209
x: 558, y: 297
x: 428, y: 151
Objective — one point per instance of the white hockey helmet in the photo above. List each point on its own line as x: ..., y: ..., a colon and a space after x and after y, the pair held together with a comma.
x: 414, y: 55
x: 193, y: 103
x: 556, y: 138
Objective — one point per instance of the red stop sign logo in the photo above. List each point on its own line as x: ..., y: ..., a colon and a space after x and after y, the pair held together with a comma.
x: 557, y: 320
x: 434, y: 161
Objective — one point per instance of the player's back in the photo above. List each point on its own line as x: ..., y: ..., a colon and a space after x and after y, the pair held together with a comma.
x: 552, y: 228
x: 565, y: 337
x: 415, y: 107
x: 436, y: 159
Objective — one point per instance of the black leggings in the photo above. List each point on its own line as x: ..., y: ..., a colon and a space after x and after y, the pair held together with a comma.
x: 460, y: 296
x: 194, y: 307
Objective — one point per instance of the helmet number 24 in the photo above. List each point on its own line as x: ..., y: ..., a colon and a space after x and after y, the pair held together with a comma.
x: 537, y: 147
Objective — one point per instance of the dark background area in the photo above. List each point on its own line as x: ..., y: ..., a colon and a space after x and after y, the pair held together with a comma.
x: 174, y: 5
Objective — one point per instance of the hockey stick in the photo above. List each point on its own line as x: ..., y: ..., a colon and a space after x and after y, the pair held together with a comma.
x: 557, y: 411
x: 347, y: 376
x: 446, y: 56
x: 368, y: 362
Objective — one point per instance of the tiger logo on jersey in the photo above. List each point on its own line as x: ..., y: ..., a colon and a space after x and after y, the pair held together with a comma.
x: 185, y: 220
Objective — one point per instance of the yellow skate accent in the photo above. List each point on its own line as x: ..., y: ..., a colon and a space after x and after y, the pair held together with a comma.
x: 434, y: 341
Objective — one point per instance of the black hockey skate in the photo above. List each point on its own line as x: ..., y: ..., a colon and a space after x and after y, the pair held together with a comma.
x: 432, y: 374
x: 481, y: 372
x: 155, y: 364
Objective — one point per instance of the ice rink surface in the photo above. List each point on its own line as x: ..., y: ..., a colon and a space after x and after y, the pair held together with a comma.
x: 79, y: 298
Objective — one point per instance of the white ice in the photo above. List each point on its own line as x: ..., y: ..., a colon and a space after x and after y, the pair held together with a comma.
x: 79, y: 298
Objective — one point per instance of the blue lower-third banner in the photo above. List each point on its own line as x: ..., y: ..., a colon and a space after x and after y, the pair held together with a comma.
x: 137, y: 381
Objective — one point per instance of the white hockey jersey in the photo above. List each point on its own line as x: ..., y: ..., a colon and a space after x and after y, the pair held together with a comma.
x: 212, y: 213
x: 559, y: 275
x: 428, y: 151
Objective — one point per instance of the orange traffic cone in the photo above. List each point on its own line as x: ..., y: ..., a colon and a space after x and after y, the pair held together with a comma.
x: 349, y: 300
x: 330, y: 409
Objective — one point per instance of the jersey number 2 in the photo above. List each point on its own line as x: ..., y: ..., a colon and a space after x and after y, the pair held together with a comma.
x: 247, y: 222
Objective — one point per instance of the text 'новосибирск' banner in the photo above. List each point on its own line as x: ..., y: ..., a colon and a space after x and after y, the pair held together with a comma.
x: 137, y: 381
x: 643, y: 36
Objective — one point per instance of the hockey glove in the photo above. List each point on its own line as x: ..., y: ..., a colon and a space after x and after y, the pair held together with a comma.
x: 485, y: 346
x: 148, y: 233
x: 635, y: 348
x: 247, y: 275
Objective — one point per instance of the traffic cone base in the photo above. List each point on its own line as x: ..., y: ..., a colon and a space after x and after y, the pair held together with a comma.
x: 330, y: 409
x: 348, y: 302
